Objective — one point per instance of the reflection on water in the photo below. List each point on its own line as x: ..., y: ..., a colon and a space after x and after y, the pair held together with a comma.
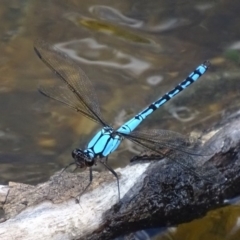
x: 133, y: 52
x: 91, y: 52
x: 113, y: 15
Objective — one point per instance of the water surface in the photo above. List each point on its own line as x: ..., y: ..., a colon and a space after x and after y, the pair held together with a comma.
x: 133, y: 51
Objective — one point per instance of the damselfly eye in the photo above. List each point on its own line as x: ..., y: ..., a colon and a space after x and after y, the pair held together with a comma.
x: 82, y: 158
x: 76, y: 153
x: 78, y: 156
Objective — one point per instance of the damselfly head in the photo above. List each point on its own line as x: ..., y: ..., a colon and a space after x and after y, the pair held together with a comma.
x: 81, y: 158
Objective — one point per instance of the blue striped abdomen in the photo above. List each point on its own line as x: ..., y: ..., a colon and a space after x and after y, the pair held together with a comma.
x: 129, y: 126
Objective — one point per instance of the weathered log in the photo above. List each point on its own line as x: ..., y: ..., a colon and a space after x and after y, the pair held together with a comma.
x: 153, y: 194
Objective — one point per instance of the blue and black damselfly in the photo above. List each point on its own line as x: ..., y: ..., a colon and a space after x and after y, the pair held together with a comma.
x: 76, y: 91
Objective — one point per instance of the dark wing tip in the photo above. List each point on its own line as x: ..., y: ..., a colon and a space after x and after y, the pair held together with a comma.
x: 39, y: 46
x: 40, y: 90
x: 37, y: 52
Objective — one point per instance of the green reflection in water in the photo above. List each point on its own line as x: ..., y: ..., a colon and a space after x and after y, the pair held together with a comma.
x: 113, y: 30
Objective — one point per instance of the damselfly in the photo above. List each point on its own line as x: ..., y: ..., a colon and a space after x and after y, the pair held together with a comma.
x: 76, y: 91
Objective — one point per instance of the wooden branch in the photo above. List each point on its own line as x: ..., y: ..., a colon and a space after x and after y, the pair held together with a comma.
x: 50, y: 211
x: 153, y: 194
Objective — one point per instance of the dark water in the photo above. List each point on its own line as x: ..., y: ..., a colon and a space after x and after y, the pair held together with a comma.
x: 133, y: 51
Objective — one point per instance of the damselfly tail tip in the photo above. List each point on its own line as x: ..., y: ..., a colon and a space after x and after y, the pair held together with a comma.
x: 207, y: 63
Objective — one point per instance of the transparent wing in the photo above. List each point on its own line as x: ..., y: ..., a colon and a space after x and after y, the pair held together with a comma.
x: 75, y: 89
x: 186, y: 152
x: 168, y: 140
